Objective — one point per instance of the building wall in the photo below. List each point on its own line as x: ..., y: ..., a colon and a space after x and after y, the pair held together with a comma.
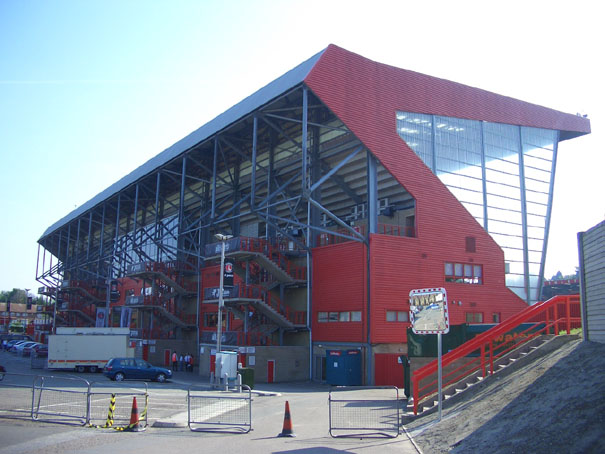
x: 592, y: 264
x: 400, y: 264
x: 339, y: 284
x: 291, y: 363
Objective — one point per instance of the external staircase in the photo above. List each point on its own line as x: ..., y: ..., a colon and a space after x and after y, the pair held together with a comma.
x: 502, y: 349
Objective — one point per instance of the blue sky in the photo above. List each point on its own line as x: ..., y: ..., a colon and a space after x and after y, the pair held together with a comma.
x: 89, y: 90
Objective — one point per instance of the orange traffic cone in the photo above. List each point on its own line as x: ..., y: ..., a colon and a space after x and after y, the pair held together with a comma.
x: 134, y: 424
x: 287, y: 429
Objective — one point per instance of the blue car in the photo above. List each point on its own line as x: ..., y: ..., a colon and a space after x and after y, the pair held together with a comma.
x: 119, y: 369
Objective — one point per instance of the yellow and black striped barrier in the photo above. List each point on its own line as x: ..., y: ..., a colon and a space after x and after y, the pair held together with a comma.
x: 109, y: 422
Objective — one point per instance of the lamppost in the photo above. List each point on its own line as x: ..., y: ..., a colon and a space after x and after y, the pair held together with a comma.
x: 222, y: 238
x: 26, y: 320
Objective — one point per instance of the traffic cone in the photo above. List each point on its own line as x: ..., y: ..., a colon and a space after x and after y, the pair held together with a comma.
x: 287, y: 429
x: 134, y: 425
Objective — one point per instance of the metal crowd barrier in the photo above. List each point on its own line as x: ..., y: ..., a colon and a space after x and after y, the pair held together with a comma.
x: 15, y: 396
x: 70, y: 400
x: 60, y: 399
x: 111, y: 404
x: 356, y: 411
x: 210, y: 409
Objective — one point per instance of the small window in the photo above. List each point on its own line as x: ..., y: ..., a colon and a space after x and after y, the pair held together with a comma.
x: 322, y: 317
x: 474, y: 317
x: 463, y: 273
x: 470, y: 244
x: 344, y: 317
x: 397, y: 316
x: 333, y: 316
x: 496, y: 317
x: 356, y: 316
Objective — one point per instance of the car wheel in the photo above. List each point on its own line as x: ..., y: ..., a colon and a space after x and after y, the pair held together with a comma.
x: 119, y: 377
x: 93, y: 369
x: 161, y: 378
x: 80, y: 369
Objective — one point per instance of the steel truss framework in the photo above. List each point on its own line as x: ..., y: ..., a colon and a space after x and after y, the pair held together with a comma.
x: 289, y: 170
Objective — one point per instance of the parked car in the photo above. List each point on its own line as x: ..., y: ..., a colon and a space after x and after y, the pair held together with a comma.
x: 20, y: 349
x: 40, y: 350
x: 119, y: 369
x: 28, y: 349
x: 12, y: 345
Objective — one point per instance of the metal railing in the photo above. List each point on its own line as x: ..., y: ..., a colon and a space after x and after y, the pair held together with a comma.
x: 15, y: 396
x: 69, y: 400
x: 358, y: 411
x: 210, y: 409
x: 478, y: 355
x: 60, y: 399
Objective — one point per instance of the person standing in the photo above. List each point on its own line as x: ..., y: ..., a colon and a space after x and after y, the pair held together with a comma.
x: 175, y: 361
x: 190, y: 363
x: 181, y: 362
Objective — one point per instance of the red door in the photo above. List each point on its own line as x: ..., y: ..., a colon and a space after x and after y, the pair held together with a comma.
x: 270, y: 371
x: 146, y: 352
x: 388, y: 370
x: 167, y: 358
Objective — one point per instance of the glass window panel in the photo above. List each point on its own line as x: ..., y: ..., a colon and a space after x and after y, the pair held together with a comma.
x: 506, y: 241
x: 478, y: 270
x: 498, y: 176
x: 534, y: 268
x: 535, y: 220
x: 536, y: 197
x: 391, y: 316
x: 475, y: 210
x: 515, y: 267
x: 416, y: 130
x: 458, y: 269
x: 505, y: 228
x: 497, y: 214
x: 536, y: 174
x: 499, y: 201
x: 321, y: 316
x: 535, y: 244
x: 535, y: 232
x: 537, y: 209
x: 333, y: 316
x: 466, y: 196
x: 402, y: 316
x: 539, y: 138
x: 449, y: 269
x: 356, y: 316
x: 540, y: 187
x: 343, y: 316
x: 468, y: 271
x: 538, y: 163
x: 534, y: 256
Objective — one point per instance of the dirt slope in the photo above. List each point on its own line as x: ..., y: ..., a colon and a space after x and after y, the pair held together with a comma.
x: 554, y: 405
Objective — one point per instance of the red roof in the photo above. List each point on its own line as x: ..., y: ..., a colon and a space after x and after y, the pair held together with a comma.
x: 364, y: 92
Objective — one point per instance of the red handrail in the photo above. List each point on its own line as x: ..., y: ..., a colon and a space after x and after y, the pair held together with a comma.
x: 545, y: 316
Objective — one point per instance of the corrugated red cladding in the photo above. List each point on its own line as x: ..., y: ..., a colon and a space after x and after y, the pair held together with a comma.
x: 339, y: 284
x: 366, y: 96
x: 399, y: 265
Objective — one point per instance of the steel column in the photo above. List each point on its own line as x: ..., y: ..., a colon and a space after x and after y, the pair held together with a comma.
x: 524, y: 218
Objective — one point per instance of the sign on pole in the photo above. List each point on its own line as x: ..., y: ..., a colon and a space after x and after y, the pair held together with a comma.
x: 428, y: 315
x: 428, y: 311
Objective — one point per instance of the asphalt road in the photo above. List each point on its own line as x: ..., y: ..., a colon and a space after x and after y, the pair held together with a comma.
x: 168, y: 432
